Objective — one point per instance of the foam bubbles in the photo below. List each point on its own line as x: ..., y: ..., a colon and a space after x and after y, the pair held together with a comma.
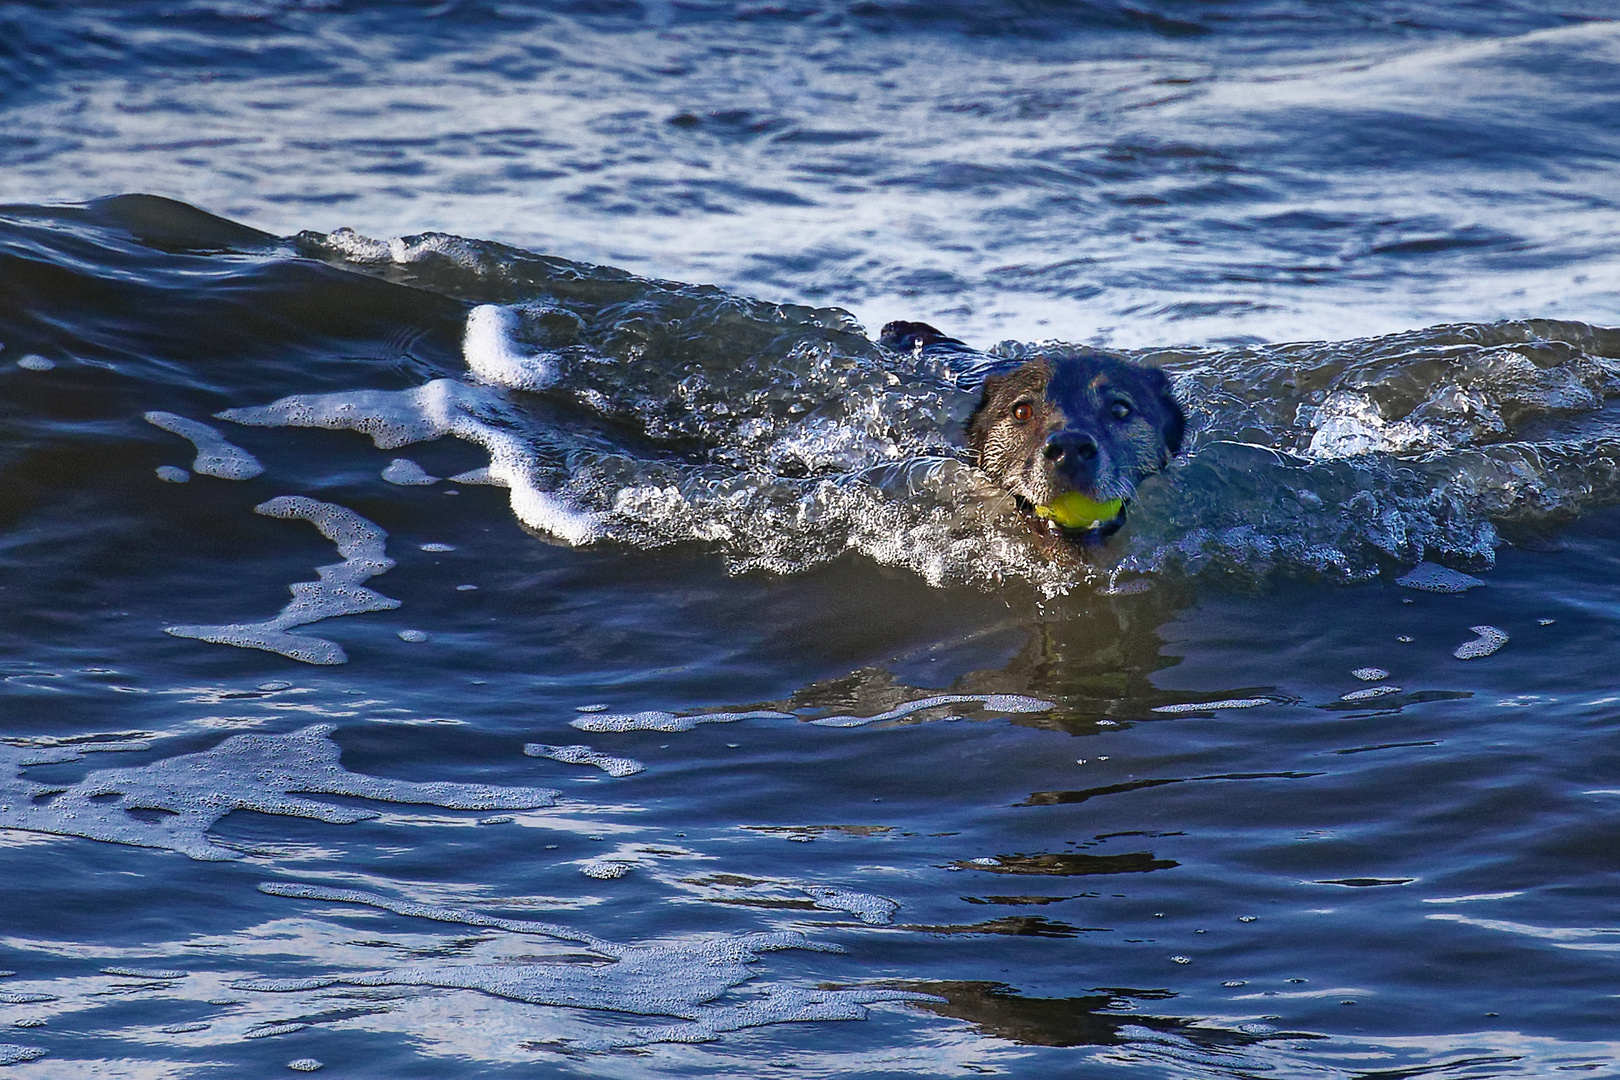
x: 436, y: 548
x: 1490, y: 639
x: 1207, y: 706
x: 215, y: 455
x: 407, y: 473
x: 493, y: 356
x: 12, y: 1054
x: 442, y: 407
x: 657, y: 720
x: 867, y: 907
x: 172, y: 474
x: 605, y: 869
x: 654, y: 720
x: 36, y: 362
x: 305, y: 1065
x: 680, y: 979
x: 414, y: 636
x: 172, y: 803
x: 1370, y: 674
x: 584, y: 755
x: 479, y: 475
x: 1005, y: 703
x: 1370, y: 693
x: 1431, y: 577
x: 338, y: 592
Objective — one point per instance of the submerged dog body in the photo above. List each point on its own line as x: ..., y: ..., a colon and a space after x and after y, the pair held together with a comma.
x: 1070, y: 437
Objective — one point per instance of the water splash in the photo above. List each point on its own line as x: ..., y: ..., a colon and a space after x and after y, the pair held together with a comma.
x: 650, y: 413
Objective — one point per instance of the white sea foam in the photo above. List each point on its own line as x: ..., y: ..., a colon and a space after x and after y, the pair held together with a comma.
x: 172, y: 474
x: 479, y: 475
x: 1206, y: 706
x: 407, y: 473
x: 1004, y: 703
x: 605, y: 869
x: 441, y: 407
x: 680, y: 979
x: 415, y: 636
x: 305, y: 1065
x: 1370, y: 693
x: 12, y: 1054
x: 436, y: 548
x: 657, y: 720
x: 654, y: 720
x: 1431, y: 577
x: 869, y: 908
x: 35, y: 362
x: 1490, y: 639
x: 174, y: 802
x: 493, y: 356
x: 1370, y: 674
x: 584, y: 755
x: 163, y: 974
x: 215, y: 455
x: 338, y: 592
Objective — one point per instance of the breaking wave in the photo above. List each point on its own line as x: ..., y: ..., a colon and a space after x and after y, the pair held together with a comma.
x: 650, y: 413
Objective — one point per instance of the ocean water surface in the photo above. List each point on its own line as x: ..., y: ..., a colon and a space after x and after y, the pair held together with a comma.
x: 477, y: 601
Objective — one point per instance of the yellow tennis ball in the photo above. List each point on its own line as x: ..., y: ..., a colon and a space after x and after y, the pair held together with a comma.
x: 1073, y: 510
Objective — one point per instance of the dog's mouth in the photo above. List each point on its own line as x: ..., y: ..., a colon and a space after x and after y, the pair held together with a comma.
x: 1081, y: 513
x: 1079, y: 517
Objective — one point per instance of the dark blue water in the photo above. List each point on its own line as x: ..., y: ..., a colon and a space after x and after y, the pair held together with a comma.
x: 660, y: 693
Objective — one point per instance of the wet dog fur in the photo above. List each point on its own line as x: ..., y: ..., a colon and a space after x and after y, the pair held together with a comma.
x: 1090, y: 422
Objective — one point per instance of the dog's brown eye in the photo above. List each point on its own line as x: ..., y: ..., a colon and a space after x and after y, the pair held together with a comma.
x: 1121, y: 411
x: 1023, y: 411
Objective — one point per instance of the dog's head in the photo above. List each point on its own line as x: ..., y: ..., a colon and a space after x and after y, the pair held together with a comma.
x: 1073, y: 436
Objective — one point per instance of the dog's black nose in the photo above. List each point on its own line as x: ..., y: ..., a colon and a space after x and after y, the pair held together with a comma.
x: 1071, y: 448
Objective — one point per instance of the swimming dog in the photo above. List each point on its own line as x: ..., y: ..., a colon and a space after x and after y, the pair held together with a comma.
x: 1070, y: 436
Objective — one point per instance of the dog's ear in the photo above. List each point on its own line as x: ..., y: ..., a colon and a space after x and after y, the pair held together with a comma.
x: 1175, y: 418
x: 903, y: 336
